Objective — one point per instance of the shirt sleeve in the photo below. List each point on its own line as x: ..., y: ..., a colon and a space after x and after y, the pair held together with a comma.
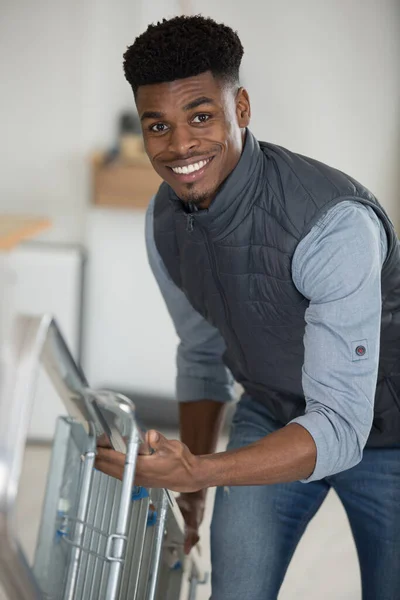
x: 201, y: 373
x: 338, y: 268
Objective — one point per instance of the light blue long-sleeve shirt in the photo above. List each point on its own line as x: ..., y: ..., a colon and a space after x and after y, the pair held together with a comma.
x: 337, y: 266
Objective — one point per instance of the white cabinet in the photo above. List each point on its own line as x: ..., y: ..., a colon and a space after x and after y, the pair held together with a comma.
x: 47, y: 278
x: 130, y: 342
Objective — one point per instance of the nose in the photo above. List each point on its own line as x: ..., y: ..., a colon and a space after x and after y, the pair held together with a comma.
x: 183, y: 140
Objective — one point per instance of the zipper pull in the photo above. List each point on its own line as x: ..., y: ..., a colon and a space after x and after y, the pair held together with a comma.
x: 190, y: 222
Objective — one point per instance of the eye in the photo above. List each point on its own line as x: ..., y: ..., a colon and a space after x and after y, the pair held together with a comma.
x: 158, y: 128
x: 202, y: 118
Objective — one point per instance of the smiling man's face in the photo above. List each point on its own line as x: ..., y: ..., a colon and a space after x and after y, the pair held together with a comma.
x: 193, y: 132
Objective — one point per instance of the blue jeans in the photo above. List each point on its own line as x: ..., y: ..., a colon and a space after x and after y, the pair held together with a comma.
x: 255, y: 530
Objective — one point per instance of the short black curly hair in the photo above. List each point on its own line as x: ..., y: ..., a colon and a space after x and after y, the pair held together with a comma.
x: 183, y: 47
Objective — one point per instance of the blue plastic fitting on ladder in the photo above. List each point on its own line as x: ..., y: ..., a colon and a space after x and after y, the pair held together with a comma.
x: 151, y: 518
x: 139, y: 493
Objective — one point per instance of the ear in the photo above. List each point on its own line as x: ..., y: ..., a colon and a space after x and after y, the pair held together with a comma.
x: 243, y: 109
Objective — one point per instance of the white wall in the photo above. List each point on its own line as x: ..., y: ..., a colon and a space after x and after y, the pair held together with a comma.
x: 62, y: 87
x: 40, y: 74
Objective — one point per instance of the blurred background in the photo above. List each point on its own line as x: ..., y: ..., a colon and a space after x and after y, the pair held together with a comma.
x: 324, y: 80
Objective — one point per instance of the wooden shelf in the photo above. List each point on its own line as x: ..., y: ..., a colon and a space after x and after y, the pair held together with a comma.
x: 119, y: 185
x: 15, y: 229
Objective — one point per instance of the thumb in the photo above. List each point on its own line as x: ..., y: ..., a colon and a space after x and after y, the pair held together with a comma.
x: 155, y: 439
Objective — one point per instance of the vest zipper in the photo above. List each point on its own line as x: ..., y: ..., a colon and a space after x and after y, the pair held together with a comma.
x: 211, y: 254
x: 189, y: 222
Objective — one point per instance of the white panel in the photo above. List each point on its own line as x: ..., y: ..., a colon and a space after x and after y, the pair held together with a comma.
x: 48, y: 280
x: 130, y: 341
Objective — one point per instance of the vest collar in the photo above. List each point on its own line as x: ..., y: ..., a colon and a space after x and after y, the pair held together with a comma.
x: 236, y: 195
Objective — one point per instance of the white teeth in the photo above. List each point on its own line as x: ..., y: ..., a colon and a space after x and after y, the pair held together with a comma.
x: 190, y: 168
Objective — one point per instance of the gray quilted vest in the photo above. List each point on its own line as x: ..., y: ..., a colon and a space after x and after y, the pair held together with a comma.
x: 233, y: 262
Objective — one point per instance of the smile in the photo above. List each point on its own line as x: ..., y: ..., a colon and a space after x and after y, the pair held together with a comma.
x: 192, y: 171
x: 190, y: 168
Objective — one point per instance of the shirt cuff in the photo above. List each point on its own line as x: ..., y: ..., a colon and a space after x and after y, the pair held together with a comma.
x: 190, y: 389
x: 315, y: 424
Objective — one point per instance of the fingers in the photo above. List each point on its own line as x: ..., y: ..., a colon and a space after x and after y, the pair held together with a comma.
x: 145, y: 449
x: 190, y: 516
x: 153, y: 441
x: 191, y: 539
x: 107, y: 455
x: 103, y: 441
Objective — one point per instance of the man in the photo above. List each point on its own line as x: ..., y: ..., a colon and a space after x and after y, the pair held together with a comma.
x: 284, y: 273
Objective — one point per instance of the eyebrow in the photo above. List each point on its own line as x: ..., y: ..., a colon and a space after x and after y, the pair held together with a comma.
x: 151, y: 114
x: 198, y: 102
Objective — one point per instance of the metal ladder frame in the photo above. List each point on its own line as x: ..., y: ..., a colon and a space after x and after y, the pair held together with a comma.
x: 37, y: 340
